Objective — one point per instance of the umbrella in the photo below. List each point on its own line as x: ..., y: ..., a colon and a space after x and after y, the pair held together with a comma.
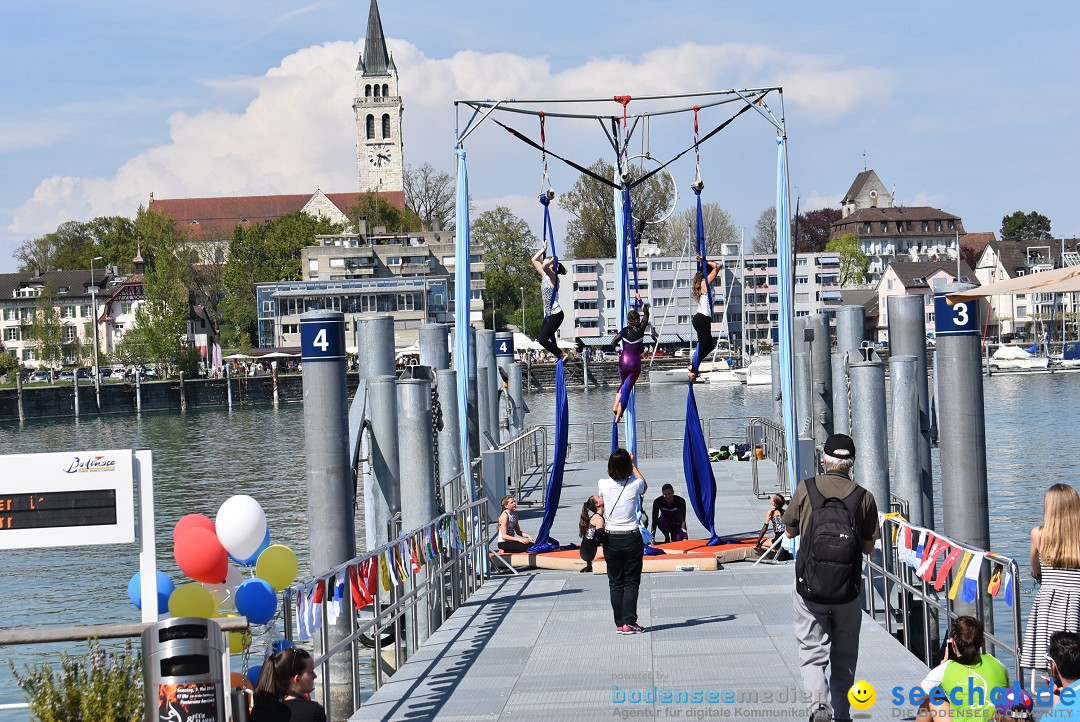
x: 279, y: 354
x: 238, y: 357
x: 563, y: 343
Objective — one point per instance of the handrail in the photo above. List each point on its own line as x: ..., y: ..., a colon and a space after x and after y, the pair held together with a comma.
x: 768, y: 435
x: 896, y: 576
x: 523, y: 458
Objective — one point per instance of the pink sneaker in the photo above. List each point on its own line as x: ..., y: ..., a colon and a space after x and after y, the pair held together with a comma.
x: 638, y: 629
x: 625, y: 629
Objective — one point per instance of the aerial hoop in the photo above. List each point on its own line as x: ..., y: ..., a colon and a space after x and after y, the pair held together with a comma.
x: 628, y: 175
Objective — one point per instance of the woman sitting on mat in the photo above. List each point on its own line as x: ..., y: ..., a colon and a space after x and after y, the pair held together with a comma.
x: 633, y: 343
x: 702, y: 320
x: 669, y: 514
x: 591, y: 529
x: 553, y: 313
x: 772, y: 519
x: 511, y: 539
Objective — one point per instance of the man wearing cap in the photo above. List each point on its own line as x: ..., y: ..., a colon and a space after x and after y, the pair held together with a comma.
x: 828, y: 634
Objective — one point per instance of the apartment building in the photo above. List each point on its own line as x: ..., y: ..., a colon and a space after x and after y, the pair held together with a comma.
x: 409, y: 275
x: 747, y: 288
x: 917, y: 279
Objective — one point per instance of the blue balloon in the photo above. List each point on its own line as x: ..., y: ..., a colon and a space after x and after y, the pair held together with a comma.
x: 253, y: 675
x: 281, y: 644
x: 165, y: 589
x: 250, y: 561
x: 256, y: 600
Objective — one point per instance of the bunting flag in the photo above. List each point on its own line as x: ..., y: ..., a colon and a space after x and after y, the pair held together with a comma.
x: 994, y: 587
x: 333, y: 598
x: 933, y: 550
x: 971, y: 578
x: 461, y: 534
x: 1008, y: 587
x: 958, y: 580
x: 317, y: 610
x: 415, y: 560
x: 384, y: 573
x: 303, y: 611
x: 399, y: 558
x: 921, y: 547
x: 909, y: 546
x: 946, y: 567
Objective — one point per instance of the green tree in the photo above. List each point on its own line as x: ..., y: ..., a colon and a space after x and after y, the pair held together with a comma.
x: 765, y: 232
x: 8, y: 365
x: 377, y: 211
x: 46, y: 330
x: 430, y: 194
x: 1022, y: 226
x: 74, y: 243
x: 719, y: 230
x: 853, y: 262
x: 264, y: 252
x: 591, y: 231
x: 507, y: 242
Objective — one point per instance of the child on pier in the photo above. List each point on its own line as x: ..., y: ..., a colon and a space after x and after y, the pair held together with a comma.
x: 702, y: 320
x: 591, y: 529
x: 511, y: 539
x: 632, y: 337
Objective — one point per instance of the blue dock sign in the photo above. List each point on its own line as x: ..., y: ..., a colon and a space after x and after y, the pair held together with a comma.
x: 504, y: 345
x: 322, y: 338
x: 956, y: 319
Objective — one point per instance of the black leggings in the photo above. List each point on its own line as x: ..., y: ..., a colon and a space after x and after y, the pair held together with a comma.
x: 705, y: 341
x: 547, y: 333
x: 513, y: 547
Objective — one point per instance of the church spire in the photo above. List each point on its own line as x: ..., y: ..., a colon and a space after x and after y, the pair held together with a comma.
x: 375, y: 59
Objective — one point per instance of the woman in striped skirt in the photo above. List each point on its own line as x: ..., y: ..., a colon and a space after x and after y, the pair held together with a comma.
x: 1055, y: 564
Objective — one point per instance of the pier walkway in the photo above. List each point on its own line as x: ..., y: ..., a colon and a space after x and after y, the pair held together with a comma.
x: 542, y: 645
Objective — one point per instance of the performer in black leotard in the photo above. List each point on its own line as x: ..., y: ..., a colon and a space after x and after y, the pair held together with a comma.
x: 553, y: 313
x: 702, y: 320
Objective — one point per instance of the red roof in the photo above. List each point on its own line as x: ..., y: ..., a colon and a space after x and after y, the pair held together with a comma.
x: 215, y: 218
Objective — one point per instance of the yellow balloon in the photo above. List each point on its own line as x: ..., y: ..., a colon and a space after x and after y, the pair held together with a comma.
x: 192, y: 600
x: 238, y: 641
x: 277, y: 565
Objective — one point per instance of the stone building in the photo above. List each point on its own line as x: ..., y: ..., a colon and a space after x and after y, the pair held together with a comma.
x: 378, y: 108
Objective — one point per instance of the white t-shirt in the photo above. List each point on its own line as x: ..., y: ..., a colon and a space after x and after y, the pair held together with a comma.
x: 621, y: 516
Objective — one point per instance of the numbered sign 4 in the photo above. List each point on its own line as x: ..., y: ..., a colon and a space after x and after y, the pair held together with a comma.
x: 322, y: 339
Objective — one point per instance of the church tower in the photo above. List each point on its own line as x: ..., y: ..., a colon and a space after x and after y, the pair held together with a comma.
x: 378, y: 109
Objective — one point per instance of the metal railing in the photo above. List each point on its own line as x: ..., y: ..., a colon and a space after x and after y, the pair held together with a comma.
x: 448, y: 582
x: 527, y: 457
x: 769, y: 435
x: 888, y: 577
x: 597, y: 436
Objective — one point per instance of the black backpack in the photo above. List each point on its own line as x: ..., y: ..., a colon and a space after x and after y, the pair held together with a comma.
x: 828, y: 566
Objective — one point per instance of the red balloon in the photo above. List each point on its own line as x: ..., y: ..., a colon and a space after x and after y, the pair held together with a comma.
x: 193, y: 521
x: 200, y: 555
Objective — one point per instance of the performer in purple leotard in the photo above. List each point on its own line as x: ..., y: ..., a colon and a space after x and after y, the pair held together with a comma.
x: 633, y: 343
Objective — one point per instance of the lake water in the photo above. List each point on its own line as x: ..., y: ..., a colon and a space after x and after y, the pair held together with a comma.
x: 202, y: 458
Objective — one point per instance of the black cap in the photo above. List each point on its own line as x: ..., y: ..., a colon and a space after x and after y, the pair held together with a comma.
x: 840, y: 446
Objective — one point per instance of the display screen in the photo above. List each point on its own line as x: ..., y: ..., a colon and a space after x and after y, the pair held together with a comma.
x: 47, y: 509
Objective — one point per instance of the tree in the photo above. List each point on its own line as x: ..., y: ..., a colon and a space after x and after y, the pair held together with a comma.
x: 430, y: 194
x: 46, y: 330
x: 378, y: 211
x: 811, y: 230
x: 719, y: 230
x: 591, y: 231
x: 1022, y: 226
x: 507, y: 242
x: 73, y: 244
x: 853, y: 262
x: 765, y: 232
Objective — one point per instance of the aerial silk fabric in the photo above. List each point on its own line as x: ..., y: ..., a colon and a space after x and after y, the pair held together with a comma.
x: 784, y: 276
x: 624, y: 229
x: 462, y: 293
x: 544, y: 542
x: 700, y: 482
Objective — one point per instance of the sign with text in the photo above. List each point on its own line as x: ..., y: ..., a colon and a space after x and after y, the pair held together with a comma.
x: 322, y: 338
x: 956, y: 319
x: 67, y: 499
x: 504, y: 345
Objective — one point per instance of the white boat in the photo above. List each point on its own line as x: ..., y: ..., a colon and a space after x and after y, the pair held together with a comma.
x: 1014, y: 357
x: 717, y: 372
x: 758, y: 373
x: 668, y: 376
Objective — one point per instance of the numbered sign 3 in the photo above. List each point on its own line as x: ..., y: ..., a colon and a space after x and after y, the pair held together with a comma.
x: 957, y: 319
x: 322, y: 339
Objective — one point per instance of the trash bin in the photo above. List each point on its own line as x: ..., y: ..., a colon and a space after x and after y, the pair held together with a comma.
x: 182, y: 674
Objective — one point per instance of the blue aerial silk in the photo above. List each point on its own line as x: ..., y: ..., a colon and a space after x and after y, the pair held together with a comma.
x: 624, y: 238
x: 462, y: 293
x: 700, y: 482
x: 784, y: 276
x: 544, y: 542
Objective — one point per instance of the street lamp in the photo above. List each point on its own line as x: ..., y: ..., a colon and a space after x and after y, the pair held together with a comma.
x: 523, y: 309
x: 93, y: 302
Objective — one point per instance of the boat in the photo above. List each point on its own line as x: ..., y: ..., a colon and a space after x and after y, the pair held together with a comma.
x: 1016, y: 358
x: 1070, y: 356
x: 758, y: 373
x: 718, y: 372
x: 668, y: 376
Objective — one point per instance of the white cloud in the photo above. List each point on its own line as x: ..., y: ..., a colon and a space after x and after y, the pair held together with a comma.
x: 298, y: 132
x: 814, y: 201
x: 923, y: 198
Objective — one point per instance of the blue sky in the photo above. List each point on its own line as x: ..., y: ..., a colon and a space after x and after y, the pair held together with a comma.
x: 967, y: 107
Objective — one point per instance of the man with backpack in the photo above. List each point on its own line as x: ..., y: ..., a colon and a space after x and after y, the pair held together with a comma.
x: 838, y: 522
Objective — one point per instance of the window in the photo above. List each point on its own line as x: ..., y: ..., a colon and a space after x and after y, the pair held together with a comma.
x: 334, y: 263
x: 800, y: 262
x: 884, y: 226
x: 802, y: 298
x: 664, y: 283
x: 584, y: 268
x: 682, y: 283
x: 609, y: 267
x: 449, y: 261
x: 67, y: 312
x: 609, y: 286
x: 290, y: 328
x: 683, y: 319
x: 386, y: 125
x: 889, y: 285
x: 937, y: 226
x: 586, y: 286
x: 85, y: 313
x: 393, y: 260
x: 367, y: 91
x: 771, y: 263
x: 800, y: 280
x: 952, y: 225
x: 385, y: 90
x: 69, y: 334
x: 930, y: 317
x: 589, y: 305
x: 11, y: 334
x: 1020, y: 311
x: 926, y: 226
x: 663, y: 266
x: 610, y: 303
x: 313, y: 264
x: 661, y: 302
x: 370, y: 127
x: 867, y: 227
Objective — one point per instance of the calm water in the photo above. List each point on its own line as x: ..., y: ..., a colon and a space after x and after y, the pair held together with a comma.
x: 202, y: 458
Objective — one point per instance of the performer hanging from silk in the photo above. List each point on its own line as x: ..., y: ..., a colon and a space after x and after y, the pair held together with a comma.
x: 632, y: 337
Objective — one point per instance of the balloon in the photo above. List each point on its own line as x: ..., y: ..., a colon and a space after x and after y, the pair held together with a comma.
x: 253, y: 675
x: 281, y: 644
x: 278, y: 566
x: 192, y: 600
x: 192, y: 521
x: 224, y: 593
x: 200, y: 555
x: 241, y: 525
x: 250, y: 561
x: 238, y: 641
x: 165, y: 587
x: 256, y: 600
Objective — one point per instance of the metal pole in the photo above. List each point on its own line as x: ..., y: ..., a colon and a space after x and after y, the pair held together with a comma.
x: 375, y: 346
x: 504, y: 359
x: 840, y: 415
x: 778, y: 406
x: 485, y: 358
x: 869, y: 429
x: 228, y: 385
x: 482, y: 402
x: 907, y: 337
x: 821, y: 377
x: 19, y: 392
x: 435, y: 346
x: 906, y: 477
x: 474, y: 403
x: 450, y: 436
x: 850, y: 329
x: 417, y: 474
x: 93, y: 305
x: 138, y: 389
x: 517, y: 396
x: 330, y: 491
x: 382, y: 491
x: 75, y: 385
x: 183, y: 398
x: 803, y: 408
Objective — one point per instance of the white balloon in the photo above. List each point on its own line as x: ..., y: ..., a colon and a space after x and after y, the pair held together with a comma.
x: 241, y: 525
x: 224, y: 594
